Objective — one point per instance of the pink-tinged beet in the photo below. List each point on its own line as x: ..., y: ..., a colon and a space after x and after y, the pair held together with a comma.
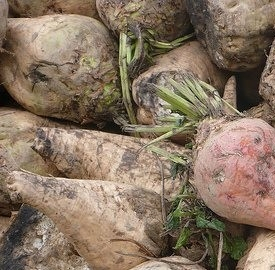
x: 234, y: 170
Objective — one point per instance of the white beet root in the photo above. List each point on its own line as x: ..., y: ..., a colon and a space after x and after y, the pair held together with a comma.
x: 102, y: 219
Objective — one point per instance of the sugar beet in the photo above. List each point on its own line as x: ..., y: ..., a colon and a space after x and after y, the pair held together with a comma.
x: 234, y: 166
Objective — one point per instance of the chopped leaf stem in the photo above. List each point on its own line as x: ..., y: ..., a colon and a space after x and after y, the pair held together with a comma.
x: 173, y: 157
x: 125, y: 86
x: 189, y: 127
x: 186, y: 92
x: 181, y: 104
x: 148, y: 128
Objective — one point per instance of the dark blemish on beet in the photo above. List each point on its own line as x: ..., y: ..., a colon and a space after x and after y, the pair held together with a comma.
x: 257, y: 140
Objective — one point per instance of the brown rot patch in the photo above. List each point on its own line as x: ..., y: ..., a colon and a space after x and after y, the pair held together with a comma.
x: 120, y: 260
x: 42, y: 144
x: 128, y: 159
x: 12, y: 255
x: 219, y: 176
x: 53, y: 186
x: 141, y: 202
x: 257, y: 140
x: 261, y: 193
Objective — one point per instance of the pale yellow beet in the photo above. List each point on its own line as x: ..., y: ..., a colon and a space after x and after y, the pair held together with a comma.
x: 261, y: 255
x: 17, y: 131
x: 102, y: 219
x: 62, y: 66
x: 89, y: 154
x: 190, y: 58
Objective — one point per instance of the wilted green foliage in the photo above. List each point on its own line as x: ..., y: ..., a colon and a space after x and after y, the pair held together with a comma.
x: 195, y: 221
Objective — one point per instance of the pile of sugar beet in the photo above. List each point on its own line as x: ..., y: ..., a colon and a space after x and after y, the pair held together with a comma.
x: 77, y: 191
